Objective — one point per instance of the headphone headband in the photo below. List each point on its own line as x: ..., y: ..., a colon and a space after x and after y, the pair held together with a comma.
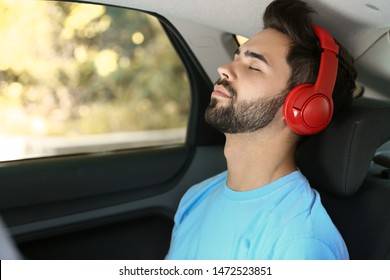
x: 327, y: 73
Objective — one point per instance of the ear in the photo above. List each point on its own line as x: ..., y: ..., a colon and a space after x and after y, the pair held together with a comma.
x: 280, y: 120
x: 283, y: 125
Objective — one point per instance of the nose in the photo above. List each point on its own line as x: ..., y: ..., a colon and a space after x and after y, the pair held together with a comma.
x: 227, y: 72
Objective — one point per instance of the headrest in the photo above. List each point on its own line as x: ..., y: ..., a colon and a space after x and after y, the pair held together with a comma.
x: 337, y: 159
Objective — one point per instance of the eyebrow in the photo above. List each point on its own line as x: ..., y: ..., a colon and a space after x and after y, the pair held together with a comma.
x: 253, y: 55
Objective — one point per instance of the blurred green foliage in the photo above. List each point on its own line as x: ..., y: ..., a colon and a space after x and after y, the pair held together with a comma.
x: 80, y: 69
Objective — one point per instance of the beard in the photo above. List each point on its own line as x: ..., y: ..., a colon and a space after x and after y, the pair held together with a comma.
x: 244, y: 116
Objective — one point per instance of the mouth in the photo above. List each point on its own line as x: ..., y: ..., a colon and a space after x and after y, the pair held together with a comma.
x: 219, y: 91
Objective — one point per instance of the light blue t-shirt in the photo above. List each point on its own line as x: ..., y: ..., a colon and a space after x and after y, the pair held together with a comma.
x: 282, y: 220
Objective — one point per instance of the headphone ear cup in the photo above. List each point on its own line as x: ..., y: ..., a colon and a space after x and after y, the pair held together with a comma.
x: 307, y: 112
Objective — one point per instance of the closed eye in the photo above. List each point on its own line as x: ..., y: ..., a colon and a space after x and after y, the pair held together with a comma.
x: 254, y: 68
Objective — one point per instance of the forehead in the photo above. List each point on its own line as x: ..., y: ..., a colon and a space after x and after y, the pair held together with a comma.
x: 270, y: 43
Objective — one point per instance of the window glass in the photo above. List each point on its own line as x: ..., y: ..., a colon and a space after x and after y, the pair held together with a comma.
x: 240, y: 39
x: 77, y: 78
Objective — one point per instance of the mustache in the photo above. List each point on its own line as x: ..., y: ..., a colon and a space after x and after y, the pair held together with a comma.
x: 227, y: 86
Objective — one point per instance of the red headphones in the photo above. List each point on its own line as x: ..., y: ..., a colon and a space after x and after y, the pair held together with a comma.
x: 308, y: 108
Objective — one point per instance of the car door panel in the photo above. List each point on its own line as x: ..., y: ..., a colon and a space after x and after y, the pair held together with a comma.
x: 142, y: 213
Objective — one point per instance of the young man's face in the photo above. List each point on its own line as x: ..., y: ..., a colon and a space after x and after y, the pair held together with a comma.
x: 251, y: 88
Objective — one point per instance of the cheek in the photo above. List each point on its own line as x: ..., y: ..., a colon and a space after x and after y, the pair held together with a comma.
x: 256, y: 89
x: 252, y: 86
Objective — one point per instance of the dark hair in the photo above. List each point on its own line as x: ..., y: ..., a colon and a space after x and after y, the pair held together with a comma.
x: 293, y: 18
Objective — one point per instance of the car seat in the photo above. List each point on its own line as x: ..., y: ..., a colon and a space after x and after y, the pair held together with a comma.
x: 348, y: 165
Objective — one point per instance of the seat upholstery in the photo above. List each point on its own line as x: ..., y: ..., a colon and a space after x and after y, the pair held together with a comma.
x: 338, y: 163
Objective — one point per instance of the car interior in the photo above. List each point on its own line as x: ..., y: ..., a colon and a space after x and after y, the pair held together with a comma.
x: 354, y: 185
x: 121, y: 204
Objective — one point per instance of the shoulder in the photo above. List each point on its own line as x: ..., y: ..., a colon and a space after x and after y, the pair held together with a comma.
x: 204, y: 187
x: 197, y: 193
x: 305, y: 230
x: 310, y: 233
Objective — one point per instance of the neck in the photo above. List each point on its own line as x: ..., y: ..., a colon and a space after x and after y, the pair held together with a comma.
x: 255, y: 160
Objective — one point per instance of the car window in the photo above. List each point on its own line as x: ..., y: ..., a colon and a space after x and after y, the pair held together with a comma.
x: 240, y: 39
x: 80, y: 78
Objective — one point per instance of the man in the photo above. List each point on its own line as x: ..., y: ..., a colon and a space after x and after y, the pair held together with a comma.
x: 262, y: 207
